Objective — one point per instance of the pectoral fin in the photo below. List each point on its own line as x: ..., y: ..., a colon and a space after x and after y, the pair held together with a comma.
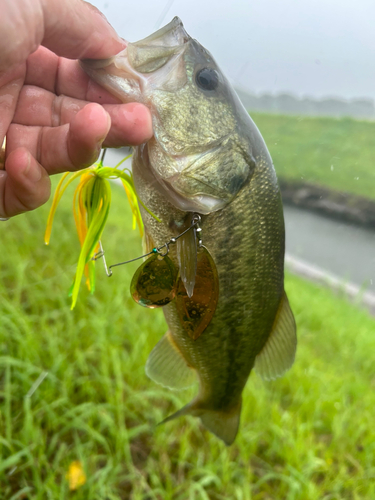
x: 167, y: 366
x: 277, y: 356
x: 147, y: 242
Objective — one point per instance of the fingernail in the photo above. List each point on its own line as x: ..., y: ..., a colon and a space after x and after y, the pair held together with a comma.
x: 98, y: 147
x: 100, y: 140
x: 33, y: 171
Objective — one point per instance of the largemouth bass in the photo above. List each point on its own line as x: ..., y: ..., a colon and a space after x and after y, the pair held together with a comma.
x: 207, y: 157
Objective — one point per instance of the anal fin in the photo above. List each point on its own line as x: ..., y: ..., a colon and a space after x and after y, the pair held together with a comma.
x: 277, y: 356
x: 167, y: 366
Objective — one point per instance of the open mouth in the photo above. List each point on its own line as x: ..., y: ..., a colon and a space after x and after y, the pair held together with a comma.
x: 142, y: 64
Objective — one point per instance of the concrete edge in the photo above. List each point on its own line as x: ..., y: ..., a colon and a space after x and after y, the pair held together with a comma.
x: 320, y: 276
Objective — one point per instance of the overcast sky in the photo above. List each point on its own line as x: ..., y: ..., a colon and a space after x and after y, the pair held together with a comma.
x: 307, y: 47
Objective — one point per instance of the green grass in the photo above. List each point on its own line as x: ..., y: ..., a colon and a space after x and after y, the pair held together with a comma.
x: 307, y: 436
x: 337, y: 153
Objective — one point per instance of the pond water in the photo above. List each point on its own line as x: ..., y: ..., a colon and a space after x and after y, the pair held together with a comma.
x: 342, y: 249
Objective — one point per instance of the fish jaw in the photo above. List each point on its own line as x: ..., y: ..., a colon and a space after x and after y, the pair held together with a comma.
x: 134, y: 72
x: 116, y: 75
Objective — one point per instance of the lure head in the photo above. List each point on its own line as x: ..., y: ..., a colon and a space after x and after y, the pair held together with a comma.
x: 201, y: 153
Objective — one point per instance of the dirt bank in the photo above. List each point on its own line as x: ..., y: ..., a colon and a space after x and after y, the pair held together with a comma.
x: 343, y: 206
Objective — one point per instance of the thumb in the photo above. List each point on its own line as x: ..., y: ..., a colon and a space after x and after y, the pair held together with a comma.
x: 76, y: 29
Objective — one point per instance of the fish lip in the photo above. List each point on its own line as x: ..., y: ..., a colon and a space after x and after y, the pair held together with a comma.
x: 169, y: 39
x: 158, y: 36
x: 161, y: 35
x: 142, y: 61
x: 155, y: 51
x: 96, y: 69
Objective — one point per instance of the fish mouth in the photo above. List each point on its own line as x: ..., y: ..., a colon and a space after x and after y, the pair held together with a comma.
x: 133, y: 71
x: 153, y: 52
x: 168, y: 35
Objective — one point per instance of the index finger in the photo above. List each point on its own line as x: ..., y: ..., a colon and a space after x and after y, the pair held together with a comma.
x: 64, y: 76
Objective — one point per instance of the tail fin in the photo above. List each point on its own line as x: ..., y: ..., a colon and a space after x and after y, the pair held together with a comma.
x: 223, y: 423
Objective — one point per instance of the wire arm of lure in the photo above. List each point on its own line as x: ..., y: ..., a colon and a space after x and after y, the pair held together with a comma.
x: 193, y: 225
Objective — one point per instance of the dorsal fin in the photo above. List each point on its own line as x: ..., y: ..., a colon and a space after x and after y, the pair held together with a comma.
x: 167, y: 366
x: 277, y: 356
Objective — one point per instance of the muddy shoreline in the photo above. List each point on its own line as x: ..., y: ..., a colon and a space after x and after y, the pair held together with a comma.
x: 334, y: 204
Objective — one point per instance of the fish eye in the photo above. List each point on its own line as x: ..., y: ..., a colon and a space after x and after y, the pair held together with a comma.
x: 207, y: 79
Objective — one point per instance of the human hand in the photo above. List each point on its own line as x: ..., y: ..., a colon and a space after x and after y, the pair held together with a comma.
x: 48, y: 109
